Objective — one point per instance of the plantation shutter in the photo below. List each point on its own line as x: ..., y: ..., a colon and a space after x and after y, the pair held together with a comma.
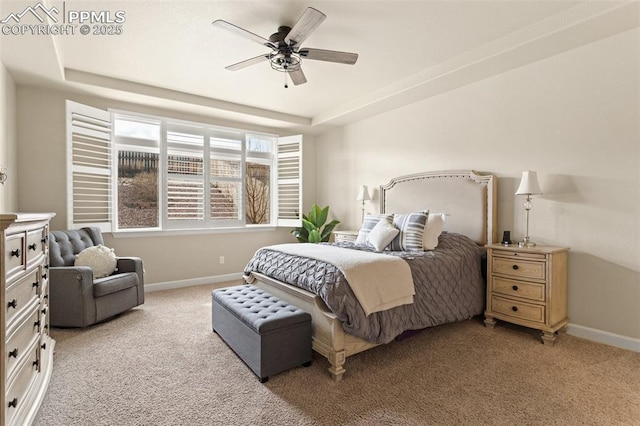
x: 89, y: 163
x: 185, y: 176
x: 225, y: 178
x: 289, y: 177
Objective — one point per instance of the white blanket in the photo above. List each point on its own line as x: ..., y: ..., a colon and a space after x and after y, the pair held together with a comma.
x: 378, y: 281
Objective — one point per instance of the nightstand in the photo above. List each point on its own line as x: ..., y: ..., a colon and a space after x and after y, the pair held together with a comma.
x: 341, y: 236
x: 528, y: 287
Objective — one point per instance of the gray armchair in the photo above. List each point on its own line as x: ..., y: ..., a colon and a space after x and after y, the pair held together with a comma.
x: 76, y: 299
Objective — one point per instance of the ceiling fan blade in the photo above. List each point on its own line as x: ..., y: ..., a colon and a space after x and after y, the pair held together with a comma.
x: 308, y: 22
x: 297, y: 77
x: 243, y: 33
x: 328, y: 55
x: 248, y: 62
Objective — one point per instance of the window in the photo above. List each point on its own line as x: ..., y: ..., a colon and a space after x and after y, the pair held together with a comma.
x: 169, y: 174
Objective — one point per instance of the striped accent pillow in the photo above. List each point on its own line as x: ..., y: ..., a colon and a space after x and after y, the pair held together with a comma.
x: 368, y: 223
x: 411, y: 228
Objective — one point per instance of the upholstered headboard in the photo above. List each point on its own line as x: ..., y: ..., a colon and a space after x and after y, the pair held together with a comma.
x: 469, y: 200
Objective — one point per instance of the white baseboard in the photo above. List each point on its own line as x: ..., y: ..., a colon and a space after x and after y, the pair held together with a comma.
x: 605, y: 337
x: 168, y: 285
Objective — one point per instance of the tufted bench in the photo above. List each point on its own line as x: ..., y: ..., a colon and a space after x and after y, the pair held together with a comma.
x: 267, y: 333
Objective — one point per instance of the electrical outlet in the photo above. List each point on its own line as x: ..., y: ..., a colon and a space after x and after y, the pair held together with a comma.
x: 222, y: 260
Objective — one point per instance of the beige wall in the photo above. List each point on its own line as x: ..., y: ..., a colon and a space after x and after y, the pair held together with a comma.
x: 42, y: 187
x: 8, y: 141
x: 574, y: 118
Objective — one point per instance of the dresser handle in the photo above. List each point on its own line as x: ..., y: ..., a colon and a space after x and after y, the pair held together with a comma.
x: 44, y: 240
x: 44, y: 346
x: 36, y: 363
x: 44, y: 276
x: 13, y: 353
x: 13, y: 403
x: 36, y: 324
x: 44, y: 311
x: 36, y: 284
x: 514, y: 308
x: 515, y: 267
x: 13, y: 304
x: 515, y: 288
x: 32, y: 246
x: 15, y: 252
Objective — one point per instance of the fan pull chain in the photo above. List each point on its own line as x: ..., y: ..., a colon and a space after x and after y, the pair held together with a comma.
x: 286, y: 86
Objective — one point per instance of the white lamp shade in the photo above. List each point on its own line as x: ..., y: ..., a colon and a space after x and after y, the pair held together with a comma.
x: 363, y: 193
x: 529, y: 184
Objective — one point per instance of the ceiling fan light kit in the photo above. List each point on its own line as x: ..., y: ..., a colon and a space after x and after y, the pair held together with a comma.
x: 286, y: 54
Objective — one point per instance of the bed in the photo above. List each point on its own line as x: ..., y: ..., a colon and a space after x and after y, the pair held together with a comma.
x: 469, y: 200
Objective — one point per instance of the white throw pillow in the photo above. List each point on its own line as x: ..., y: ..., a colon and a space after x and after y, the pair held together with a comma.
x: 435, y: 224
x: 382, y: 234
x: 102, y: 260
x: 369, y: 222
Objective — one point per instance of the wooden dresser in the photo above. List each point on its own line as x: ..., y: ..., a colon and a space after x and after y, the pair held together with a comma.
x: 528, y: 286
x: 27, y: 354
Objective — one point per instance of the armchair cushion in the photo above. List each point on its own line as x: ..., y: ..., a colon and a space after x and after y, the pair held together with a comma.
x: 113, y: 283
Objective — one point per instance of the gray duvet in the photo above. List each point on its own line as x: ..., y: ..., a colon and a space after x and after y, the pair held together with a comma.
x: 448, y: 282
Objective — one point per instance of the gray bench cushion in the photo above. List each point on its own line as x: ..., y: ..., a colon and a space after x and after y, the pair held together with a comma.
x: 258, y: 309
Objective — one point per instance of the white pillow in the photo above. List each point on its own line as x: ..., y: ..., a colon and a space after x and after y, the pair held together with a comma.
x: 435, y: 224
x: 368, y: 223
x: 101, y: 259
x: 382, y: 234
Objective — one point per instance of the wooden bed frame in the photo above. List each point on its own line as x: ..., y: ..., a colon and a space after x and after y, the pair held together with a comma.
x: 469, y: 201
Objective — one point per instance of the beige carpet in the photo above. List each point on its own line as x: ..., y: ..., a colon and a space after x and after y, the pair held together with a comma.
x: 160, y: 364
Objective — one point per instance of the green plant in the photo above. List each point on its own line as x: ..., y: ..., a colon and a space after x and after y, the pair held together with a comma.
x: 312, y: 230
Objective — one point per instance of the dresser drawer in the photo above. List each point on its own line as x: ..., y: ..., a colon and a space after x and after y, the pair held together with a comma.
x: 527, y: 290
x: 21, y: 294
x: 14, y: 256
x: 36, y: 245
x: 21, y: 339
x: 18, y: 387
x: 518, y: 268
x: 521, y: 310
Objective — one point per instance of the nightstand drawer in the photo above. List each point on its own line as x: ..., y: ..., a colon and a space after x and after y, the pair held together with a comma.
x: 521, y: 310
x: 512, y: 254
x: 527, y: 290
x: 518, y: 268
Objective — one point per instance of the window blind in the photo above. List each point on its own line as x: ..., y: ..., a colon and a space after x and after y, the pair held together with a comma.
x: 289, y: 178
x: 89, y: 162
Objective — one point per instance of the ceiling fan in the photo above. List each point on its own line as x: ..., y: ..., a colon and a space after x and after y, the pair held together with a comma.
x: 286, y: 51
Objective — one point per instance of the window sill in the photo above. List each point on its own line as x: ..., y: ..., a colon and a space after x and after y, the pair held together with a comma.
x: 200, y: 231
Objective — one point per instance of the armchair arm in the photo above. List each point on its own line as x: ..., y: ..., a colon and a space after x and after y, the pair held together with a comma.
x: 133, y: 264
x: 71, y: 296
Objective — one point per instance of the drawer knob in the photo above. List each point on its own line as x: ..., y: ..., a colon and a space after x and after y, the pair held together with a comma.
x: 36, y: 284
x: 36, y: 363
x: 515, y: 267
x: 44, y: 240
x: 44, y: 276
x: 515, y: 288
x: 44, y: 346
x: 12, y: 304
x: 15, y: 253
x: 13, y: 353
x: 514, y: 308
x: 36, y: 324
x: 44, y: 310
x: 32, y: 246
x: 13, y: 403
